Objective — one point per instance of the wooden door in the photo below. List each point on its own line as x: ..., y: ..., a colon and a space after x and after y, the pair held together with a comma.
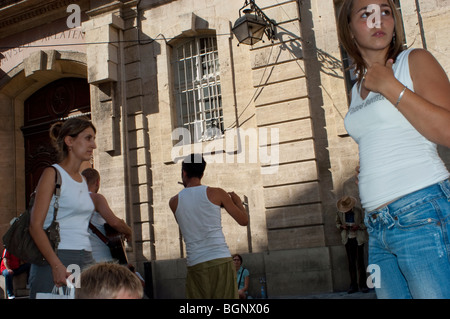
x: 54, y: 102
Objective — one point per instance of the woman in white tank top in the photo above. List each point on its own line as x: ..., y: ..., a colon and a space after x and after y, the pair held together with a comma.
x: 400, y: 110
x: 75, y: 141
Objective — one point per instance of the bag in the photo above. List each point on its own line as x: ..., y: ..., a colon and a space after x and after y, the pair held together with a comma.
x: 58, y: 293
x: 18, y: 240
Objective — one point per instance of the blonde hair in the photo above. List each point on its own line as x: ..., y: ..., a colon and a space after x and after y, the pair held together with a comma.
x: 107, y: 280
x: 349, y: 44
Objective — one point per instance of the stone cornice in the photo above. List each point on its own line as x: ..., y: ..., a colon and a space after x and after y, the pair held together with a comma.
x: 25, y: 14
x: 26, y: 10
x: 106, y: 8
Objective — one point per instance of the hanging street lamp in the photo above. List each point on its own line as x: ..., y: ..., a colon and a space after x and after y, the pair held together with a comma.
x: 251, y: 27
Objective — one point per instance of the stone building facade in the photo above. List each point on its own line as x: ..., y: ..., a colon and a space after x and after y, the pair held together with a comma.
x: 166, y: 77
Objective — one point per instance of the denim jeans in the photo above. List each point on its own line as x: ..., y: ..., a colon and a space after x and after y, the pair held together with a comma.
x: 41, y: 277
x: 409, y: 242
x: 9, y: 277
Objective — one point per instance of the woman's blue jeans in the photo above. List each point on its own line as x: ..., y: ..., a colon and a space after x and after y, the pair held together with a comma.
x: 409, y: 245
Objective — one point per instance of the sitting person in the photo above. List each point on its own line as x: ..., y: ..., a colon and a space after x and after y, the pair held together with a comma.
x: 243, y: 278
x: 10, y: 267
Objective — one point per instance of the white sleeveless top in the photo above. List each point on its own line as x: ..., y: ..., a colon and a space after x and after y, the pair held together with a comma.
x: 395, y: 159
x: 201, y: 226
x: 100, y: 251
x: 75, y: 211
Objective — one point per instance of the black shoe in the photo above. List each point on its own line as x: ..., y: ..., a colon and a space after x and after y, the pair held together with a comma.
x: 364, y: 290
x: 352, y: 290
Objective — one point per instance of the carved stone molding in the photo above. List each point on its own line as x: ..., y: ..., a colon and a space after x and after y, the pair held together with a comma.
x: 41, y: 61
x: 29, y: 9
x: 22, y: 15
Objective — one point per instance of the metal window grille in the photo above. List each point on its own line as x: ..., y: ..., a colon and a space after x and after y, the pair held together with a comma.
x: 198, y: 89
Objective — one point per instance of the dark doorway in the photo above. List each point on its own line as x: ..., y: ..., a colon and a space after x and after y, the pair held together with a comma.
x: 54, y: 102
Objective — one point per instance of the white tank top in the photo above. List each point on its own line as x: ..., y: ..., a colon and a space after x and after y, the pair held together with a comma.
x: 201, y: 226
x: 75, y: 211
x: 100, y: 251
x: 395, y: 159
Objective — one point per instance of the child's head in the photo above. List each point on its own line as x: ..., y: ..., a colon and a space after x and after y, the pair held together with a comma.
x: 109, y: 281
x: 92, y: 179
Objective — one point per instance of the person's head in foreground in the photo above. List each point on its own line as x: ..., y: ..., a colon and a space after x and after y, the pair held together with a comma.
x: 109, y: 281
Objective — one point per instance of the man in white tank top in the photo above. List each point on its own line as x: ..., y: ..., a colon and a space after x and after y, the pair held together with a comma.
x: 211, y: 273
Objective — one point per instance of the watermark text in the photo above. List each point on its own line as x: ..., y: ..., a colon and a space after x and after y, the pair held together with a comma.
x: 252, y: 145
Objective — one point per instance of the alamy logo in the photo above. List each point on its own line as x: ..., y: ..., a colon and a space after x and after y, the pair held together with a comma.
x: 231, y: 146
x: 374, y: 280
x: 374, y: 19
x: 74, y: 278
x: 74, y: 19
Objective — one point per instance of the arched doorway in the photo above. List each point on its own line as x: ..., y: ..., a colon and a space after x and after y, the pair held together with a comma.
x: 57, y: 100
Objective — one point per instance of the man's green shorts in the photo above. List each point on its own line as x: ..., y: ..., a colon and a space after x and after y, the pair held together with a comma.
x: 213, y: 279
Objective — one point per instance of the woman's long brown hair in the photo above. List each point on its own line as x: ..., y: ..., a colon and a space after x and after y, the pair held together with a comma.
x: 349, y: 44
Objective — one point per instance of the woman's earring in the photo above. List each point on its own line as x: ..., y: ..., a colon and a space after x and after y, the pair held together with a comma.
x: 394, y: 38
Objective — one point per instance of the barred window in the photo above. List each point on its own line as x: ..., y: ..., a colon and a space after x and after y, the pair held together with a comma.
x: 198, y: 90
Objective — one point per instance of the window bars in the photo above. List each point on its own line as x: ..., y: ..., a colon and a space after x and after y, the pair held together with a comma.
x: 198, y: 89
